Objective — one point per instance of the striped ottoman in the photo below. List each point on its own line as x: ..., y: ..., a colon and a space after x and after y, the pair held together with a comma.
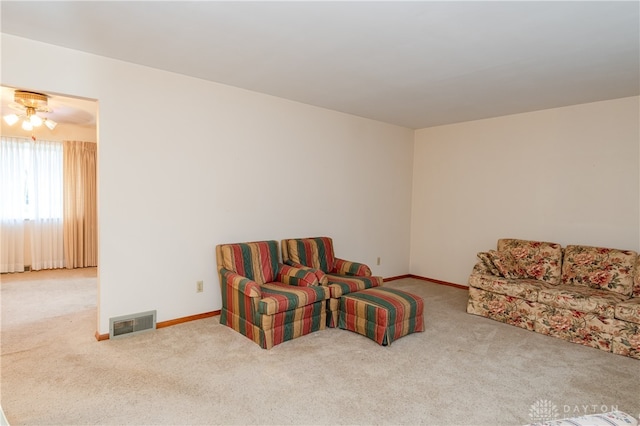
x: 382, y: 314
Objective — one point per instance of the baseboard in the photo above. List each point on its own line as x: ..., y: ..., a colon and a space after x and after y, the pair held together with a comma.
x: 399, y: 277
x: 169, y: 323
x: 433, y: 280
x: 176, y: 321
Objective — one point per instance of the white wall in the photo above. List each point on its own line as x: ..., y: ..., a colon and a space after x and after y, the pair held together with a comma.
x: 568, y: 175
x: 231, y: 165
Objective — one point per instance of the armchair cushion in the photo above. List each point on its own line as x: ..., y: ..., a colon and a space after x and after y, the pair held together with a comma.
x: 303, y: 277
x: 313, y: 252
x: 257, y: 261
x: 345, y: 284
x: 321, y: 276
x: 279, y: 297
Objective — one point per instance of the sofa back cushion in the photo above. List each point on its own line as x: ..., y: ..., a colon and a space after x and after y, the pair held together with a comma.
x: 597, y: 267
x: 312, y: 252
x: 538, y: 260
x: 257, y: 261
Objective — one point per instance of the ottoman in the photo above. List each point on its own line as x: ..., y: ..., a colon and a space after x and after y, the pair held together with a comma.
x: 382, y: 314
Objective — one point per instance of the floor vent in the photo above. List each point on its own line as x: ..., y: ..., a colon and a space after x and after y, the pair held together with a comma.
x: 132, y: 324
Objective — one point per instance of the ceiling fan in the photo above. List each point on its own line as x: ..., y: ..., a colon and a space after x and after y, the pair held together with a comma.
x: 29, y: 104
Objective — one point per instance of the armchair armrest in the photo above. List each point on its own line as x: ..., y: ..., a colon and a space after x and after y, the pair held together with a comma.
x: 345, y: 267
x: 239, y: 283
x: 296, y: 276
x: 322, y: 278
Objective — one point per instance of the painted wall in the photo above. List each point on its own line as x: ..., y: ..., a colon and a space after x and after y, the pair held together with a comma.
x: 568, y: 175
x: 230, y: 165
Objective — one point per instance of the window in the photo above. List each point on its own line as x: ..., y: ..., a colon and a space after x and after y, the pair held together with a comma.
x: 31, y: 179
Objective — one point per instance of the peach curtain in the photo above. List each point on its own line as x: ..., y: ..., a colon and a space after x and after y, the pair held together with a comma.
x: 80, y: 211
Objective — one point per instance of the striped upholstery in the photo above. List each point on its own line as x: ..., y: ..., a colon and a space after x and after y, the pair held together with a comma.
x: 313, y: 252
x: 267, y: 301
x: 257, y: 261
x: 382, y: 314
x: 344, y: 284
x: 278, y: 297
x: 342, y: 276
x: 297, y: 276
x: 344, y: 267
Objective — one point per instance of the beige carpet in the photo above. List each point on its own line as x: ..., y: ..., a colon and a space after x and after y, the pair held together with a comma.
x: 463, y: 370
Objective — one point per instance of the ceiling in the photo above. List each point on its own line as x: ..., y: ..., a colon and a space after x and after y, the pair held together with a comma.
x: 64, y: 109
x: 414, y: 64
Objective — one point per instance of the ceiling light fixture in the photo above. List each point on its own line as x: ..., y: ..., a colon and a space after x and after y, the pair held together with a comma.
x: 30, y: 104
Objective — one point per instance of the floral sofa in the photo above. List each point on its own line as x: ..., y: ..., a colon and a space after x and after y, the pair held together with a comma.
x: 587, y: 295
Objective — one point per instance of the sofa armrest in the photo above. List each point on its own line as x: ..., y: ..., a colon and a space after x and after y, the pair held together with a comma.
x: 239, y: 283
x: 296, y: 276
x: 345, y: 267
x: 480, y: 268
x: 322, y: 277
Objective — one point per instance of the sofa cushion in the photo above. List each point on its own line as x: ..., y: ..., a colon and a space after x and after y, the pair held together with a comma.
x: 279, y: 297
x: 486, y: 260
x: 505, y: 263
x: 526, y: 289
x: 629, y: 310
x: 599, y: 268
x: 582, y: 299
x: 538, y: 260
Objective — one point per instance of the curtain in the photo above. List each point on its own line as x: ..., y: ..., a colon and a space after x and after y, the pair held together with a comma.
x: 45, y: 200
x: 13, y: 181
x: 80, y: 198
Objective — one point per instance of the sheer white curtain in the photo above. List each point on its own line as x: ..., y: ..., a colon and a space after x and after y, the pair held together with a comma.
x: 31, y: 185
x: 47, y: 251
x: 13, y: 184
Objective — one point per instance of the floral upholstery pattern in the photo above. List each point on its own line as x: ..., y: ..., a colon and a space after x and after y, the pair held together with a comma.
x: 587, y: 329
x: 629, y: 310
x: 341, y: 276
x: 601, y: 268
x: 583, y: 299
x: 595, y: 302
x: 526, y: 289
x: 511, y: 310
x: 535, y: 259
x: 267, y: 301
x: 626, y: 341
x: 636, y: 280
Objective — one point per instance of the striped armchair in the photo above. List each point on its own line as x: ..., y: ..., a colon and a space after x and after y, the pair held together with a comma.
x: 341, y: 276
x: 265, y: 300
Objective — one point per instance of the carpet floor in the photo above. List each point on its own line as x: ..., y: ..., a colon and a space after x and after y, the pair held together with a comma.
x: 463, y: 370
